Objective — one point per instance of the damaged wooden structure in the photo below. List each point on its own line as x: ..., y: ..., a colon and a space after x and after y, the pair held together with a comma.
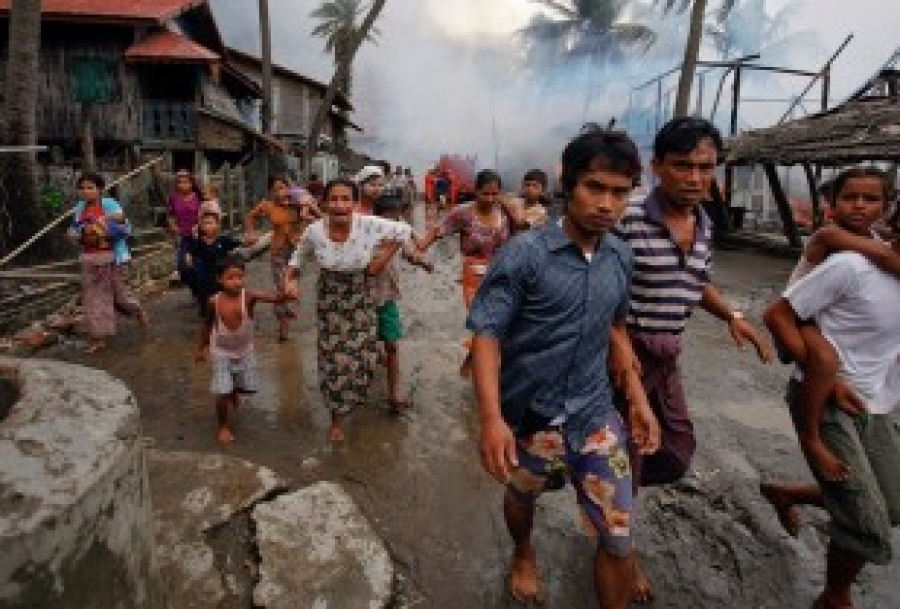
x: 863, y: 129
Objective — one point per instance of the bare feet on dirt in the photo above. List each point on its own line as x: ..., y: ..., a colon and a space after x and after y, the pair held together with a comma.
x: 642, y: 593
x: 465, y: 370
x: 95, y: 347
x: 399, y: 407
x: 524, y: 582
x: 336, y: 433
x: 787, y: 514
x: 225, y: 436
x: 823, y: 462
x: 826, y: 602
x: 143, y: 319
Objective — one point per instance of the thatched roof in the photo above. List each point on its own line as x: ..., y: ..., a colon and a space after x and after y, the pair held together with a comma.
x: 864, y: 128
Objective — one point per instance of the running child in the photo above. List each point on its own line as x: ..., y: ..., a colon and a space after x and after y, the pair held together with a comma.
x: 385, y: 267
x: 227, y: 340
x: 204, y: 255
x: 284, y: 217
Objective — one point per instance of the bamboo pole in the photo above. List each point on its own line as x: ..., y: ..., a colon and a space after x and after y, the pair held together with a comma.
x: 65, y: 215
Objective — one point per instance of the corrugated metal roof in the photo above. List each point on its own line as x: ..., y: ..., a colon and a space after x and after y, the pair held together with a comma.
x: 117, y: 10
x: 169, y: 46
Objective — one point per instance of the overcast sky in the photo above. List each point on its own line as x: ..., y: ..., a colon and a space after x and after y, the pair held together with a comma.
x: 437, y: 57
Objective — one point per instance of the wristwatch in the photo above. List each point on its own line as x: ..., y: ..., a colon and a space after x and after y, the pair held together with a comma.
x: 736, y: 315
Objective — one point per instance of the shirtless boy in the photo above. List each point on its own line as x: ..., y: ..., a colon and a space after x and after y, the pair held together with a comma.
x: 284, y: 216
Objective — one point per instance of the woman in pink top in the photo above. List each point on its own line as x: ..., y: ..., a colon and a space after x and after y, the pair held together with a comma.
x: 183, y: 212
x: 483, y: 227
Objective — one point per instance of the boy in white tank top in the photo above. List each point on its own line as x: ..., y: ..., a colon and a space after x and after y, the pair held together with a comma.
x: 226, y: 340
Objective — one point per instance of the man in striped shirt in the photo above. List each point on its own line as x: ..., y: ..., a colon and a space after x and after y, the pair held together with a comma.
x: 671, y: 238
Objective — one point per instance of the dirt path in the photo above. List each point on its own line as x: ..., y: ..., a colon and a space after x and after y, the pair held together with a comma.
x: 418, y: 478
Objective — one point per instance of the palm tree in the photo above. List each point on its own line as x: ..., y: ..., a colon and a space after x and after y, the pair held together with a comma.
x: 364, y: 32
x: 751, y: 28
x: 593, y: 30
x: 338, y: 27
x: 18, y: 170
x: 692, y: 46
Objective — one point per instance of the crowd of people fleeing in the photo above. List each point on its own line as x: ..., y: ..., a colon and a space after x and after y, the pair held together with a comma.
x: 577, y: 324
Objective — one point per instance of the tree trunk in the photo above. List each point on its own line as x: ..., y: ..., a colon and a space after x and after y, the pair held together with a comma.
x: 265, y: 37
x: 341, y: 51
x: 691, y: 55
x: 18, y: 170
x: 342, y: 70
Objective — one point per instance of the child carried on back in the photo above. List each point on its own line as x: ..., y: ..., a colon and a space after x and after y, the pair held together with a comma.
x: 859, y: 196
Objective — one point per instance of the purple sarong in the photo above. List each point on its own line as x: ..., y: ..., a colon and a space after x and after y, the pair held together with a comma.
x: 661, y: 377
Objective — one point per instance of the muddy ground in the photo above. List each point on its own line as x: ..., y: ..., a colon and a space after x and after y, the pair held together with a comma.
x: 709, y: 542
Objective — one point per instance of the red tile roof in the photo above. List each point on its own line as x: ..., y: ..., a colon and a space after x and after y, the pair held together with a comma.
x: 169, y: 46
x: 114, y: 10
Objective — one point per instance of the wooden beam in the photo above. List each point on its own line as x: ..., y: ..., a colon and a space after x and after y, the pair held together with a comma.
x: 812, y: 178
x: 784, y: 207
x: 717, y: 209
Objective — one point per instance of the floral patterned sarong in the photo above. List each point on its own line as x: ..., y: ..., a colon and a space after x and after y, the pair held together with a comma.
x: 347, y: 339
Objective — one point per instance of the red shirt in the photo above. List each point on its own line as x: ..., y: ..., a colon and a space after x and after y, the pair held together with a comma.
x: 90, y: 214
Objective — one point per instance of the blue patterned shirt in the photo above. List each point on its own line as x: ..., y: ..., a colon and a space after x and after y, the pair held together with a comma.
x: 551, y: 309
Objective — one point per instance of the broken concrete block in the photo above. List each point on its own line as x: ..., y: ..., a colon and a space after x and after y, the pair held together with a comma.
x: 319, y: 551
x: 192, y: 493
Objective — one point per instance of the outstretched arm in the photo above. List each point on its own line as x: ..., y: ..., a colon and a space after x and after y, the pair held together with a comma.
x: 260, y: 209
x: 382, y: 257
x: 515, y: 211
x: 741, y: 330
x: 414, y: 257
x: 832, y: 239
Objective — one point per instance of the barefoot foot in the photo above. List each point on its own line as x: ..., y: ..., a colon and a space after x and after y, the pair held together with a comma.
x: 336, y: 433
x: 398, y: 407
x: 826, y: 601
x: 823, y: 462
x: 143, y: 319
x: 642, y: 593
x: 225, y: 436
x: 465, y: 370
x: 94, y: 347
x: 524, y: 581
x: 784, y: 508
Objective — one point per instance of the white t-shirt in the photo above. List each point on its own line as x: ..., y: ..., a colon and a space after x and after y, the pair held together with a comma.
x: 355, y: 253
x: 857, y: 308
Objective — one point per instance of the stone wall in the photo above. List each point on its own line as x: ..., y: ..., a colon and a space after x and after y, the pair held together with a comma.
x: 75, y: 516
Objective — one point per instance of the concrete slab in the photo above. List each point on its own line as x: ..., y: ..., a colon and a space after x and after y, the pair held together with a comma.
x: 75, y: 515
x: 318, y: 552
x: 194, y: 492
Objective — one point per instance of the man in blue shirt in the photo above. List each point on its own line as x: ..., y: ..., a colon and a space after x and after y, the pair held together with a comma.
x: 544, y: 318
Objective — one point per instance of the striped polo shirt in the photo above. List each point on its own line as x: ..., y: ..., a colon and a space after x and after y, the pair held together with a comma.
x: 666, y: 284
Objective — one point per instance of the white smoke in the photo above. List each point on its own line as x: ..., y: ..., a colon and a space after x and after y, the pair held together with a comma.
x: 450, y: 77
